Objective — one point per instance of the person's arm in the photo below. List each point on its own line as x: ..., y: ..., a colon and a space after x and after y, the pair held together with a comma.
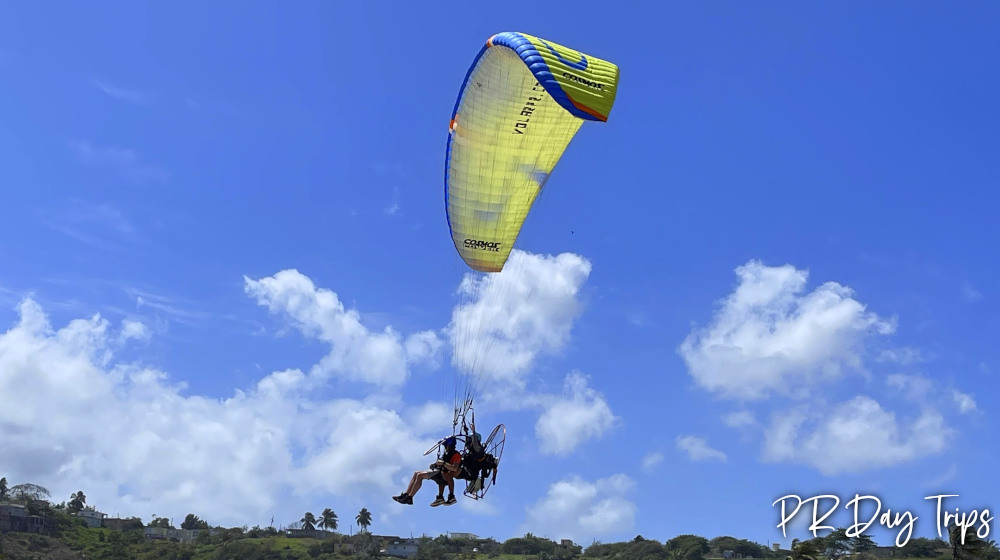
x: 452, y: 467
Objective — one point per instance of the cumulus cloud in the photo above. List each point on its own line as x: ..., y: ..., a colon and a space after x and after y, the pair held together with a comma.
x: 698, y: 449
x: 651, y: 460
x: 509, y: 318
x: 771, y: 337
x: 914, y: 387
x: 902, y: 356
x: 739, y: 419
x: 74, y: 418
x: 964, y: 401
x: 134, y: 330
x: 579, y: 510
x: 580, y: 414
x: 357, y: 353
x: 855, y: 436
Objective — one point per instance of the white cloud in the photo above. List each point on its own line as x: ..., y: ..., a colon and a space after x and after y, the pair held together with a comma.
x: 511, y: 317
x: 119, y: 93
x: 913, y: 387
x: 134, y: 330
x: 136, y: 442
x: 964, y: 401
x: 582, y: 511
x: 698, y: 449
x: 902, y: 356
x: 740, y: 419
x: 357, y: 353
x: 651, y: 460
x: 170, y: 307
x: 771, y: 337
x: 73, y: 418
x: 579, y: 415
x: 431, y: 418
x: 393, y: 206
x: 855, y: 436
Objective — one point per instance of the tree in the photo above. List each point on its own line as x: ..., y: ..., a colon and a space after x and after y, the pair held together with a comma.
x: 328, y: 520
x: 3, y: 489
x: 76, y: 502
x: 806, y: 550
x: 974, y: 548
x: 922, y: 547
x: 364, y: 519
x: 27, y: 492
x: 863, y: 543
x: 687, y: 547
x: 308, y: 521
x: 161, y: 522
x: 191, y: 521
x: 835, y: 545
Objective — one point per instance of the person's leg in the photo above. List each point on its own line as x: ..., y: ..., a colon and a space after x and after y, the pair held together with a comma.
x: 418, y: 480
x: 411, y: 489
x: 451, y: 491
x: 439, y: 479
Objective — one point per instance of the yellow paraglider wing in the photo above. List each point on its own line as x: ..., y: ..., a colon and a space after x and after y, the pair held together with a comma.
x: 523, y: 100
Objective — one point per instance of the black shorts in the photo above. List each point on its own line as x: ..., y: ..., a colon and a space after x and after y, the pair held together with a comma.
x: 438, y: 477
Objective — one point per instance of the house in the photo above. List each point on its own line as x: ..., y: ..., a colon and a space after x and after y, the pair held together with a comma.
x: 306, y: 533
x: 122, y: 524
x: 92, y: 517
x: 407, y: 548
x: 175, y: 535
x: 14, y: 517
x: 468, y: 536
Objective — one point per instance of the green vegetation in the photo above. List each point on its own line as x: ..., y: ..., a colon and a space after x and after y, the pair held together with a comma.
x: 64, y: 535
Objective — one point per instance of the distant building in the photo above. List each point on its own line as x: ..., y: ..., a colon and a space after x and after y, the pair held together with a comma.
x: 306, y: 533
x: 92, y: 517
x: 14, y: 517
x: 121, y: 524
x: 175, y: 535
x: 567, y: 543
x: 407, y: 548
x: 468, y: 536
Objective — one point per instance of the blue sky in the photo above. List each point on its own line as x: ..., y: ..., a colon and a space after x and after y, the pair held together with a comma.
x: 801, y: 193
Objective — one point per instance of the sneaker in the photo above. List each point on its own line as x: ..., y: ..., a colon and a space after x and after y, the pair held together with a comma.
x: 437, y: 502
x: 401, y: 498
x: 408, y: 500
x: 451, y: 500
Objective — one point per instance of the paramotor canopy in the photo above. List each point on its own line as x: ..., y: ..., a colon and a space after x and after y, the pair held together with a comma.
x: 521, y: 103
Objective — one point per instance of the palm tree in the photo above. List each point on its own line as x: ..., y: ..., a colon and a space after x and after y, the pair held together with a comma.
x: 364, y: 519
x: 328, y: 520
x: 76, y: 501
x: 308, y: 521
x: 974, y: 548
